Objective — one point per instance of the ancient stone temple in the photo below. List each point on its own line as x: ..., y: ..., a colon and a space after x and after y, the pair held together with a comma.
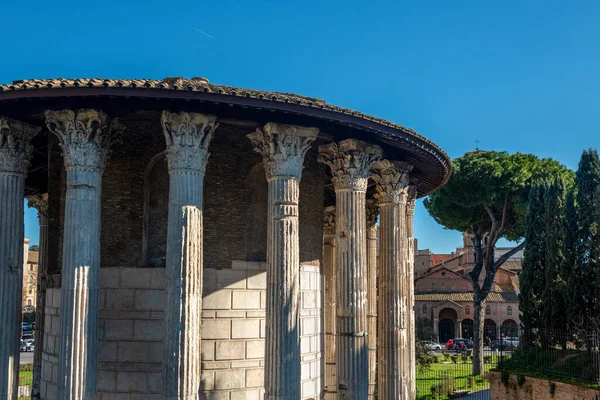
x: 200, y: 241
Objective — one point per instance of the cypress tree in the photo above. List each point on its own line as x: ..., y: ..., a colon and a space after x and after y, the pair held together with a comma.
x: 531, y: 277
x: 553, y: 312
x: 585, y: 279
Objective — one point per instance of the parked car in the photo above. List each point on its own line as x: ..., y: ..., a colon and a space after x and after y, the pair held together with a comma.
x: 432, y: 346
x: 502, y: 345
x: 30, y: 344
x: 512, y: 340
x: 22, y: 346
x: 26, y: 326
x: 27, y: 336
x: 456, y: 344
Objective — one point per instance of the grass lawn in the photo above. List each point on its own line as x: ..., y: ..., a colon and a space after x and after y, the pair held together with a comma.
x: 457, y: 376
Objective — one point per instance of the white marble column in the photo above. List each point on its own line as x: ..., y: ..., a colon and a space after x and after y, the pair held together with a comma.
x: 15, y: 152
x: 393, y: 356
x: 329, y: 270
x: 410, y: 282
x: 188, y: 136
x: 40, y: 203
x: 350, y: 161
x: 372, y: 213
x: 85, y: 136
x: 283, y: 148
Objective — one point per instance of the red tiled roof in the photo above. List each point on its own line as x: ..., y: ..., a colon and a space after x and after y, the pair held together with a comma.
x: 438, y: 258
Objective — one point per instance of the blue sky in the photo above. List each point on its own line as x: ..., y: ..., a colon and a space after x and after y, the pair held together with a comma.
x: 517, y: 75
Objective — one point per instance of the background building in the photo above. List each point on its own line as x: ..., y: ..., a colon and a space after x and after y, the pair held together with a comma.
x: 444, y: 293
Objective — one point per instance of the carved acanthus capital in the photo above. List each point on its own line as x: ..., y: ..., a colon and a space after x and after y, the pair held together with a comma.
x: 40, y: 203
x: 372, y: 213
x: 15, y: 150
x: 283, y: 148
x: 85, y: 135
x: 412, y: 196
x: 350, y: 162
x: 392, y: 181
x: 188, y: 136
x: 329, y: 221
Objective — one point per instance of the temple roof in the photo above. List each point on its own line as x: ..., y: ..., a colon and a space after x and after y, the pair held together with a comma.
x: 409, y: 142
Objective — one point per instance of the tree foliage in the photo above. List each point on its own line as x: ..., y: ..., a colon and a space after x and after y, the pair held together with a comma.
x: 487, y: 196
x: 584, y: 226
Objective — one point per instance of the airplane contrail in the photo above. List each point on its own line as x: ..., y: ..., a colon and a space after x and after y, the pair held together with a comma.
x: 198, y: 30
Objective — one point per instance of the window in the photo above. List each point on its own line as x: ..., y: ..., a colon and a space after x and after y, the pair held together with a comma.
x: 30, y: 278
x: 29, y: 302
x: 30, y: 291
x: 31, y: 267
x: 488, y: 310
x: 468, y: 310
x: 509, y: 310
x: 424, y: 308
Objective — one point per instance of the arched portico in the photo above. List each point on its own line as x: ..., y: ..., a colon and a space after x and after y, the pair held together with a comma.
x: 490, y: 330
x: 447, y: 320
x: 509, y: 328
x: 467, y: 328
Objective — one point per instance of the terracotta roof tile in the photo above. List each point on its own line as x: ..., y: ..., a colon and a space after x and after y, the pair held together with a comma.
x: 510, y: 297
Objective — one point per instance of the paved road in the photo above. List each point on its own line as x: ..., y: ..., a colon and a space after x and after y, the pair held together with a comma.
x: 27, y: 357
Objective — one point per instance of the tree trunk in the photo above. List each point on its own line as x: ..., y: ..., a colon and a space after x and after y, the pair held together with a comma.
x: 478, y: 339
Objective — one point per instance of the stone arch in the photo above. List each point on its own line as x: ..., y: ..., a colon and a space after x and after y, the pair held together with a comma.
x: 509, y: 328
x: 467, y: 328
x: 489, y: 330
x: 257, y: 200
x: 156, y: 211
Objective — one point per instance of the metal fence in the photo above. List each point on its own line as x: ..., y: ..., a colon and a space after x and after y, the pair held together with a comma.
x: 25, y: 381
x: 451, y: 373
x: 560, y: 355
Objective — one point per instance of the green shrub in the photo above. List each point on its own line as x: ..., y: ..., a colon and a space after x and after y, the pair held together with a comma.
x: 520, y: 379
x: 26, y: 367
x: 464, y: 359
x: 454, y: 358
x: 471, y: 381
x: 552, y: 387
x: 487, y: 359
x: 448, y: 385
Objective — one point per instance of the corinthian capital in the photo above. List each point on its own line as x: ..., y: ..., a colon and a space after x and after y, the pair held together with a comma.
x: 329, y: 221
x: 15, y: 150
x: 412, y: 196
x: 188, y: 136
x: 350, y: 162
x: 85, y: 136
x: 392, y: 181
x: 283, y: 148
x: 372, y: 213
x: 40, y: 203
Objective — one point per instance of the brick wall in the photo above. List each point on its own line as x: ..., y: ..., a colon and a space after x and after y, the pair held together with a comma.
x: 233, y: 329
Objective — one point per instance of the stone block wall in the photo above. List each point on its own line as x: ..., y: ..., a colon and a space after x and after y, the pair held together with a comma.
x: 538, y: 389
x: 131, y: 333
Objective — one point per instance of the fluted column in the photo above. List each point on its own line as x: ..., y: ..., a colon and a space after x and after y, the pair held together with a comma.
x: 40, y: 203
x: 85, y: 137
x: 350, y: 161
x: 15, y: 153
x: 372, y: 213
x: 188, y: 136
x: 393, y: 356
x: 283, y: 148
x: 329, y: 270
x: 410, y: 282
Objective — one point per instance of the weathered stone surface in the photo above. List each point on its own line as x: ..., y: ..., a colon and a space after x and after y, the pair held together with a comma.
x: 350, y: 162
x: 372, y: 213
x: 15, y: 152
x: 85, y: 137
x: 283, y: 148
x: 393, y: 356
x: 187, y: 136
x: 410, y: 273
x: 329, y: 271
